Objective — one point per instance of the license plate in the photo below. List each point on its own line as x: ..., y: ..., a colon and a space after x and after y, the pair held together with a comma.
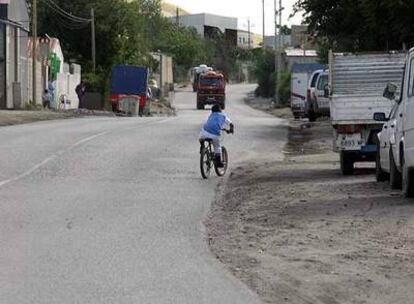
x: 349, y: 142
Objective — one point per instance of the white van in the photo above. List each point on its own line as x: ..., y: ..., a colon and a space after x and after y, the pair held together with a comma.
x: 404, y: 126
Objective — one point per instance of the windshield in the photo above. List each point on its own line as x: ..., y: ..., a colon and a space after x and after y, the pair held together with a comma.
x: 212, y: 82
x: 323, y: 82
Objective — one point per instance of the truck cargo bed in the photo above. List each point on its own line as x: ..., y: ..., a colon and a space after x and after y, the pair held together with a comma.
x: 357, y: 82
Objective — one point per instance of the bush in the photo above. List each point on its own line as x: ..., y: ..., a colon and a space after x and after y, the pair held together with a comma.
x: 284, y: 88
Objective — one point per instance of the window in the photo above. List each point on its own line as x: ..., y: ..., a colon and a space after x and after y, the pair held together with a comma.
x: 394, y: 111
x: 411, y: 79
x: 323, y: 82
x: 313, y: 82
x: 213, y: 82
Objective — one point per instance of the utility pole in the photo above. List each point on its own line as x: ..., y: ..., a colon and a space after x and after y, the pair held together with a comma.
x: 34, y: 54
x: 177, y: 16
x: 279, y: 48
x: 275, y: 43
x: 264, y: 23
x: 249, y: 34
x: 93, y: 40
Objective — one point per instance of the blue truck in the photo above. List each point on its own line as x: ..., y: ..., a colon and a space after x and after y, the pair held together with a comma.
x: 129, y: 89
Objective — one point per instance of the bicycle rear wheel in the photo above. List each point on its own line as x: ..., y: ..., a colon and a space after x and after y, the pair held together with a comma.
x: 205, y: 163
x: 225, y: 160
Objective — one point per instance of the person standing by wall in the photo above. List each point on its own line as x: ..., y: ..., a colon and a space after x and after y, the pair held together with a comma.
x: 81, y: 91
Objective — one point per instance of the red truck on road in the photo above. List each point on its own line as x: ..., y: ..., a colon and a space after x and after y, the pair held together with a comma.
x: 211, y: 90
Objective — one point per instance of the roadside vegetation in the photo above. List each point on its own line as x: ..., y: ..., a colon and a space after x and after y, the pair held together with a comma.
x: 359, y: 26
x: 126, y: 33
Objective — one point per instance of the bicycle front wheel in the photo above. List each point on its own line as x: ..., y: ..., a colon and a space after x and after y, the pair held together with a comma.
x: 205, y: 163
x: 225, y: 160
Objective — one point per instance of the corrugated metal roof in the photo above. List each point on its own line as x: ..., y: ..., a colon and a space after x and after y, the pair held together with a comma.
x: 366, y: 74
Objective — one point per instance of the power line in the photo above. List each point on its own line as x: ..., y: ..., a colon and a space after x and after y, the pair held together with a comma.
x: 52, y: 5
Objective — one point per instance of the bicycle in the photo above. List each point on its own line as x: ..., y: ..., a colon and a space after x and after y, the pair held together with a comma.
x: 207, y: 158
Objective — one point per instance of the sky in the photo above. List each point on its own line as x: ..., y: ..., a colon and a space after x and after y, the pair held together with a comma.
x: 243, y: 10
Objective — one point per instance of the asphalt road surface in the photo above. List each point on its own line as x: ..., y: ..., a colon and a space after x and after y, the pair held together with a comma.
x: 110, y: 210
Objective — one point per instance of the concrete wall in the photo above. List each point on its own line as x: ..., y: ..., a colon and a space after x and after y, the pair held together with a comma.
x: 15, y: 66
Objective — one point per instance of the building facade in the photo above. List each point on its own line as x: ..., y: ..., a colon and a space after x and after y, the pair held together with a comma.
x: 208, y: 25
x: 14, y: 74
x: 269, y: 42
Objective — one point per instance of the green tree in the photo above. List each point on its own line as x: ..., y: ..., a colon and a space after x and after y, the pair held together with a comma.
x: 360, y: 25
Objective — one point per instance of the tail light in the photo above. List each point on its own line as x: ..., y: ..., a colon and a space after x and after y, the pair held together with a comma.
x: 350, y: 129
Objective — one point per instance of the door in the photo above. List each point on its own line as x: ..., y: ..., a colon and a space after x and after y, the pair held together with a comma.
x: 3, y: 104
x: 385, y: 138
x: 408, y: 115
x: 322, y: 101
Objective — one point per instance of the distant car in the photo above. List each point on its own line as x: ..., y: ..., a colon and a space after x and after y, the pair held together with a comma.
x: 388, y: 150
x: 319, y: 103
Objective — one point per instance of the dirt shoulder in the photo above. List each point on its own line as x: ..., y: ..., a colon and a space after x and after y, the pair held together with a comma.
x: 297, y: 231
x: 9, y: 118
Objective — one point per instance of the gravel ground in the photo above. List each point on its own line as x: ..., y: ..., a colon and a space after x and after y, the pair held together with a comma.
x: 297, y: 231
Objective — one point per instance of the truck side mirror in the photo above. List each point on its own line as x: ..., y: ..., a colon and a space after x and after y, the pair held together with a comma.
x: 380, y: 117
x: 390, y: 91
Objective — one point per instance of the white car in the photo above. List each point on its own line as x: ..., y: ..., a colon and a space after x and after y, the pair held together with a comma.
x: 388, y: 150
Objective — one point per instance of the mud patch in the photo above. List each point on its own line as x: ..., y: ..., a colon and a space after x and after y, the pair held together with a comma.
x: 298, y: 231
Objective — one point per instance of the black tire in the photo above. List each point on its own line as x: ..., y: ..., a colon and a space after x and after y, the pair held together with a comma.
x: 407, y: 182
x: 200, y: 105
x: 380, y: 175
x: 312, y: 116
x: 347, y: 163
x: 225, y: 160
x: 395, y: 175
x: 205, y: 163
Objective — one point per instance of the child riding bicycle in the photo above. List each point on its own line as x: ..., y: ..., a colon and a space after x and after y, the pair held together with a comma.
x: 216, y: 122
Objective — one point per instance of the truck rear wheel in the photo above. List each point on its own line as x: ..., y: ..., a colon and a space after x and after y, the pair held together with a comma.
x: 347, y: 163
x: 380, y: 175
x: 312, y: 116
x: 408, y: 182
x: 395, y: 175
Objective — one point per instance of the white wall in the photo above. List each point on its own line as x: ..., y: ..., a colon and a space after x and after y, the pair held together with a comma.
x: 66, y: 84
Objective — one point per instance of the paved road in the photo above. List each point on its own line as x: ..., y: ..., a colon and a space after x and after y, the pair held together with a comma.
x: 110, y: 210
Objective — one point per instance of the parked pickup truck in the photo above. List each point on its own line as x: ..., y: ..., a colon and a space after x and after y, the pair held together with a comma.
x: 129, y: 89
x: 356, y: 86
x: 318, y: 104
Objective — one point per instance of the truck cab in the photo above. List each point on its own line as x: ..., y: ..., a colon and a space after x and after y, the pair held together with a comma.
x: 211, y: 90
